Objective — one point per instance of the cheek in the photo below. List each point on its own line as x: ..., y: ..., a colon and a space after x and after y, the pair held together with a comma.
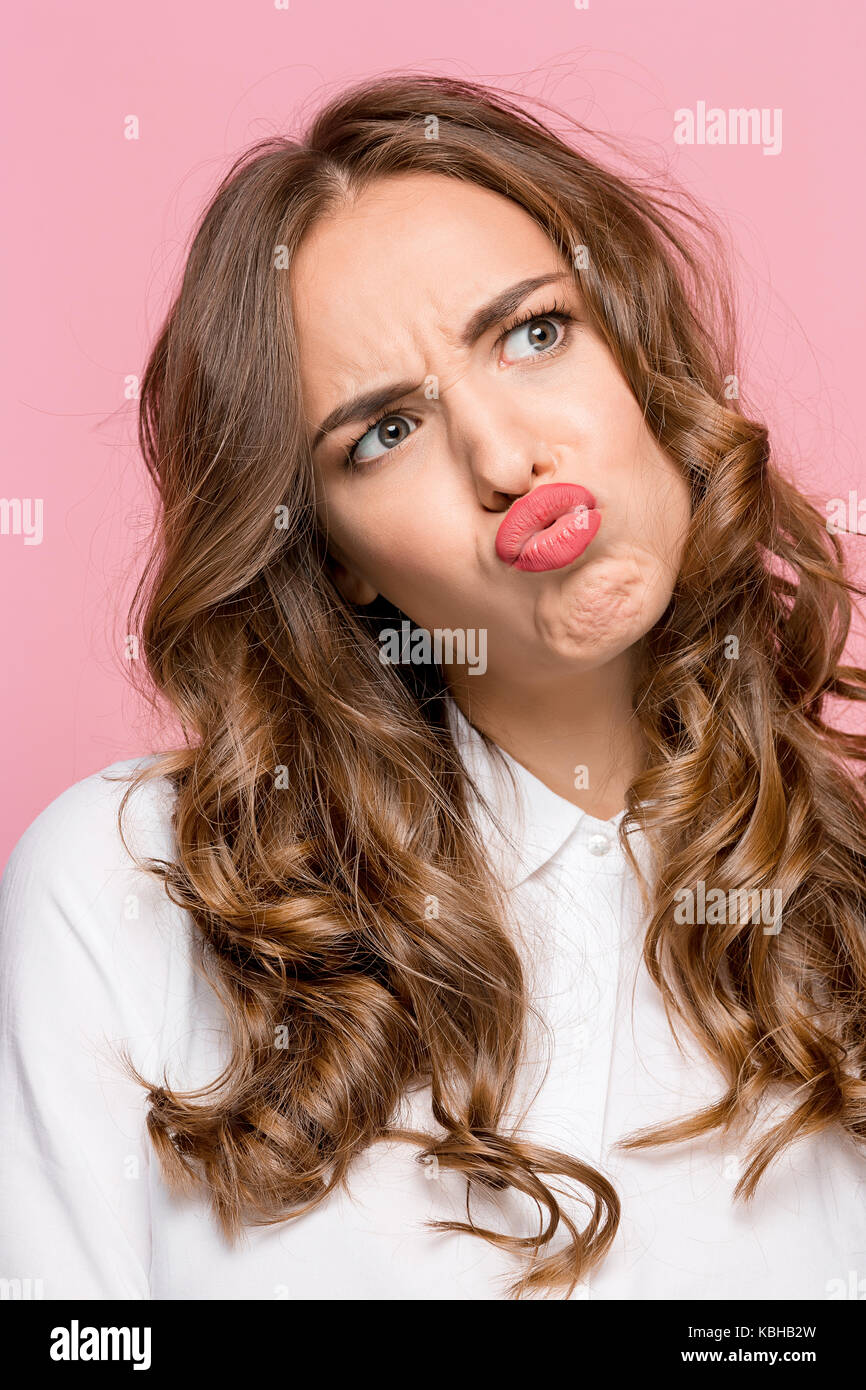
x: 396, y: 545
x: 603, y: 611
x: 614, y: 600
x: 669, y: 510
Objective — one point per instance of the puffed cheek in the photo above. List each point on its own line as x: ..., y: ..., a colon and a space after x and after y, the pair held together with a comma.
x: 607, y: 607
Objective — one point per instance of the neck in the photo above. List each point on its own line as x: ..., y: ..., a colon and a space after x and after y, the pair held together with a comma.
x: 578, y: 736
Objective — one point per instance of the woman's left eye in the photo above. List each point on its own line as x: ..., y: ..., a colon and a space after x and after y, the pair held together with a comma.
x: 537, y: 335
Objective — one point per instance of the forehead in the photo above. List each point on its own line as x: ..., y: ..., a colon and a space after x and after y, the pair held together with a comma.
x: 400, y: 269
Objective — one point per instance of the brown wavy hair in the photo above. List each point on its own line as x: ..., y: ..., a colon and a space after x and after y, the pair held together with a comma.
x: 320, y: 803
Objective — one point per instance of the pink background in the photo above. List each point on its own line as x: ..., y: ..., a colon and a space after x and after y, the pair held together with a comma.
x: 99, y: 224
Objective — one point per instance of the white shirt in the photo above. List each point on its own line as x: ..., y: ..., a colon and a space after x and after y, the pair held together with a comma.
x: 93, y: 951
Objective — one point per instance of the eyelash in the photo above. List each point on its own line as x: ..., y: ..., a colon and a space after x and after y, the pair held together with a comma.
x: 554, y: 311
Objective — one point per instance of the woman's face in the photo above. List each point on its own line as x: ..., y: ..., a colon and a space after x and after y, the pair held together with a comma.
x: 384, y: 294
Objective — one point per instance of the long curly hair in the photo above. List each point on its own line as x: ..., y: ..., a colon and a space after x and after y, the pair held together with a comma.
x: 320, y: 803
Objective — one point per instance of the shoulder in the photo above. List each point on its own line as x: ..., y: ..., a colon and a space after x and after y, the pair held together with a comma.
x: 77, y: 899
x: 80, y: 827
x: 92, y: 960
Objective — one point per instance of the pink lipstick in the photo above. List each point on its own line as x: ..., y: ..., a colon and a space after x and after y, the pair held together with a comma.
x: 548, y: 528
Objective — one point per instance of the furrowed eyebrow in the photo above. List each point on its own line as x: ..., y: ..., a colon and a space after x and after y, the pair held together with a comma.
x: 371, y: 402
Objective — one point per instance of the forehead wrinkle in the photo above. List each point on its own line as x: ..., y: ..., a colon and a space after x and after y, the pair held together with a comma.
x: 386, y: 364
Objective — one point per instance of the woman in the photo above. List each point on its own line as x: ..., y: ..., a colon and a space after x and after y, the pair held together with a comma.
x: 531, y: 963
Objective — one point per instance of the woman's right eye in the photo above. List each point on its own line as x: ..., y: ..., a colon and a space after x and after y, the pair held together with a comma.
x: 380, y: 438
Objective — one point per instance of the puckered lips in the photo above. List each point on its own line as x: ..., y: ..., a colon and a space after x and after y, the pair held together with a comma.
x: 548, y: 528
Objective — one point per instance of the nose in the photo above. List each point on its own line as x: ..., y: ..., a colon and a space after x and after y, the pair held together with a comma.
x: 503, y: 452
x: 501, y: 482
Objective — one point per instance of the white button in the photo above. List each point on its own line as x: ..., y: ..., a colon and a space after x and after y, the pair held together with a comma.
x: 598, y: 844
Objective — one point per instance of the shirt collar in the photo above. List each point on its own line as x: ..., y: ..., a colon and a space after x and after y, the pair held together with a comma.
x: 523, y: 824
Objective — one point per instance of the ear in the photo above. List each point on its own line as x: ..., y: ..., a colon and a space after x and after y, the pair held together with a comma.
x: 351, y: 585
